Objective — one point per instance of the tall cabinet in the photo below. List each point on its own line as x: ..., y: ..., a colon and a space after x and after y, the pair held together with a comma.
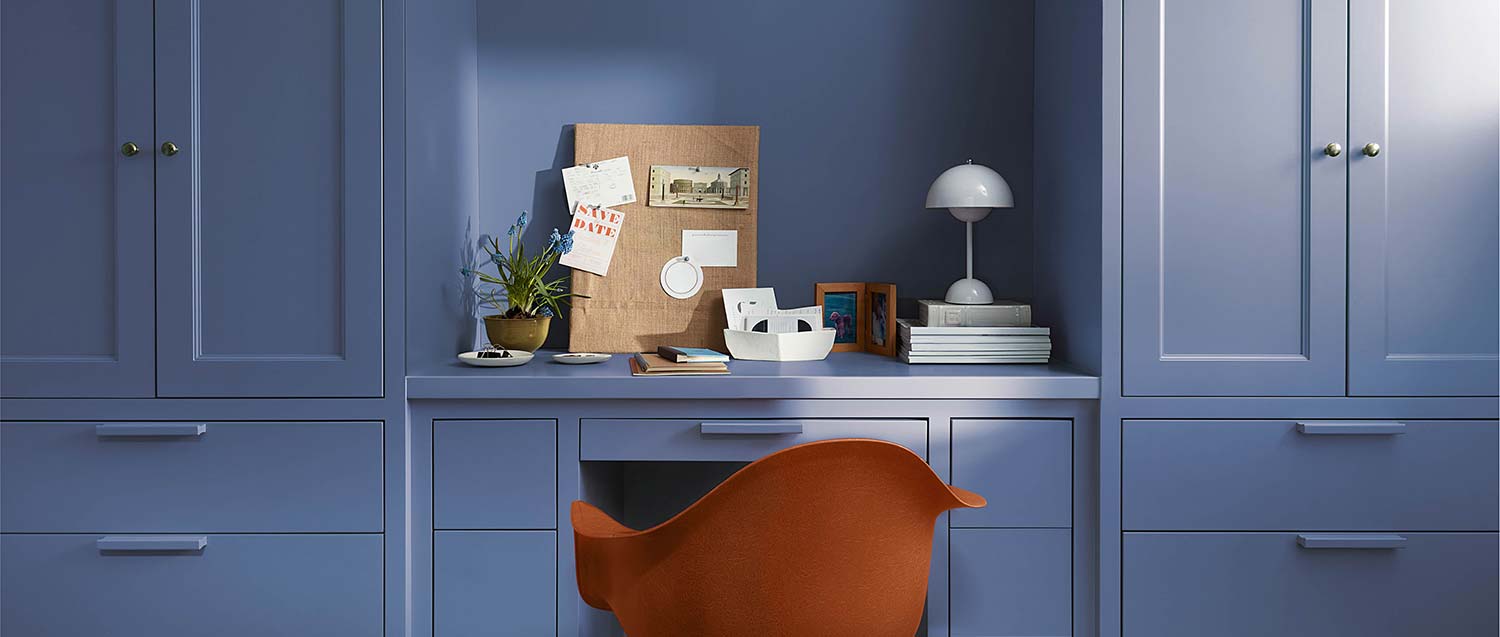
x: 1301, y: 426
x: 1309, y: 198
x: 192, y: 199
x: 192, y: 220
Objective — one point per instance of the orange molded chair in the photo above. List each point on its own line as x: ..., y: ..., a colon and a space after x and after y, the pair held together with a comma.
x: 822, y: 539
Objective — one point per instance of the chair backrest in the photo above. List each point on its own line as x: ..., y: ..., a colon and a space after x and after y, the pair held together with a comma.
x: 827, y: 538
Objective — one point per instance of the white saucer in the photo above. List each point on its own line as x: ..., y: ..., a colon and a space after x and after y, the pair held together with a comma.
x: 580, y: 358
x: 517, y: 357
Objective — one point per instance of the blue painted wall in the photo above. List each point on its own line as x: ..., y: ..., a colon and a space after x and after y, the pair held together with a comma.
x: 1066, y: 186
x: 442, y: 171
x: 861, y: 105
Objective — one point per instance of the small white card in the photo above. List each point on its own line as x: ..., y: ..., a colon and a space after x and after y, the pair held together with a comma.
x: 712, y: 248
x: 606, y: 183
x: 595, y: 232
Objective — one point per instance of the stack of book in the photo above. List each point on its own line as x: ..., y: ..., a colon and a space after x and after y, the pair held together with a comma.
x: 1001, y: 333
x: 680, y: 361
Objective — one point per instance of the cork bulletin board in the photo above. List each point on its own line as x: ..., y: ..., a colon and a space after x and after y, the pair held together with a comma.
x: 628, y: 311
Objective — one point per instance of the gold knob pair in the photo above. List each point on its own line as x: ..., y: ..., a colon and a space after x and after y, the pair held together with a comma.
x: 1333, y: 149
x: 131, y: 149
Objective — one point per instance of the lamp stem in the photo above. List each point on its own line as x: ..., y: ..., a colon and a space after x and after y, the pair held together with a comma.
x: 969, y: 260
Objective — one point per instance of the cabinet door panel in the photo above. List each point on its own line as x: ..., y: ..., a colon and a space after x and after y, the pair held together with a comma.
x: 76, y: 227
x: 1233, y: 253
x: 269, y: 255
x: 1424, y: 228
x: 494, y: 583
x: 1011, y: 582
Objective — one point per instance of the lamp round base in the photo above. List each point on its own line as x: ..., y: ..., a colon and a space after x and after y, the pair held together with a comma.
x: 969, y: 292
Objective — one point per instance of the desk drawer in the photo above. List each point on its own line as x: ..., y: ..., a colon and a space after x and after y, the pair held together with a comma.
x: 236, y: 585
x: 732, y: 440
x: 1258, y: 584
x: 1319, y: 475
x: 494, y: 474
x: 1023, y: 467
x: 235, y: 477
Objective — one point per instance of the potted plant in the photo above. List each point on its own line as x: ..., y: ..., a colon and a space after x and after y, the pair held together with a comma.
x: 529, y: 301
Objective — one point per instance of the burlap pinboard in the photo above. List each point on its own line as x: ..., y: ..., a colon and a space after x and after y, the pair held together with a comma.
x: 627, y: 311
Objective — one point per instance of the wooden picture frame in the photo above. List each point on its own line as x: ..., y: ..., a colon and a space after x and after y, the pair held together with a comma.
x: 880, y: 319
x: 844, y: 310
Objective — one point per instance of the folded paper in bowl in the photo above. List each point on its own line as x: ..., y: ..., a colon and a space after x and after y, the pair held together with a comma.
x: 759, y: 330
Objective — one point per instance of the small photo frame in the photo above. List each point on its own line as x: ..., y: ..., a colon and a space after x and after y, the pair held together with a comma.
x: 844, y: 312
x: 880, y: 322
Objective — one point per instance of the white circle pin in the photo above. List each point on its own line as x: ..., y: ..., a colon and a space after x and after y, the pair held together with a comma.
x: 681, y: 278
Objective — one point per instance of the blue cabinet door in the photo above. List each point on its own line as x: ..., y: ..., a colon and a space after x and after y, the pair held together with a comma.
x: 494, y: 474
x: 1424, y: 227
x: 1011, y: 582
x: 1023, y: 467
x: 494, y: 583
x: 269, y: 214
x: 75, y: 211
x: 1234, y: 226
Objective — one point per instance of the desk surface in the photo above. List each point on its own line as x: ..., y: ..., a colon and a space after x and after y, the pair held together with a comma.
x: 841, y: 375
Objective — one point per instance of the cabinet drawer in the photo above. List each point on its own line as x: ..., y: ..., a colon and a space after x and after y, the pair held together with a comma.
x: 1316, y: 475
x: 1257, y: 584
x: 494, y: 474
x: 494, y: 583
x: 191, y: 477
x: 236, y: 585
x: 1023, y: 467
x: 732, y: 440
x: 1011, y: 582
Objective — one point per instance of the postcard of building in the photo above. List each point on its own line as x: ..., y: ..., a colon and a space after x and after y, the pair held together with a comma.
x: 700, y: 187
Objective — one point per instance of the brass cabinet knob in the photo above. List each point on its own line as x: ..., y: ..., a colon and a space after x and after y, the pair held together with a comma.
x: 1333, y: 149
x: 130, y: 149
x: 1372, y: 149
x: 169, y: 149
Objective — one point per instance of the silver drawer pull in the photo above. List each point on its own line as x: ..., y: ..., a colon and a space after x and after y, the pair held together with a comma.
x: 1350, y: 541
x: 1351, y: 428
x: 151, y: 543
x: 150, y: 430
x: 750, y: 428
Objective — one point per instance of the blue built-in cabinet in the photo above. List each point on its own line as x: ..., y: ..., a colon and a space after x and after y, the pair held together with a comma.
x: 1291, y: 186
x: 183, y: 218
x: 1298, y: 412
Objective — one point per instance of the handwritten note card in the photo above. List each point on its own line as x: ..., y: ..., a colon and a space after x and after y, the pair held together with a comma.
x: 712, y: 248
x: 595, y: 232
x: 606, y: 183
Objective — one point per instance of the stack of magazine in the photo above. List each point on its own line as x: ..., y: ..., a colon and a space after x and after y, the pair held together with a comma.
x: 973, y: 344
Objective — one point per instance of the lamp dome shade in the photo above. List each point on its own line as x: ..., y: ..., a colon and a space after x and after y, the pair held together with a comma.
x: 970, y: 186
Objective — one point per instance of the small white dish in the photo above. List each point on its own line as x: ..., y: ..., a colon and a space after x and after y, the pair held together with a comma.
x: 516, y: 358
x: 581, y: 358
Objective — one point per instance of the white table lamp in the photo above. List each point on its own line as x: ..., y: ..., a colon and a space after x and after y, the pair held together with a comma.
x: 969, y: 191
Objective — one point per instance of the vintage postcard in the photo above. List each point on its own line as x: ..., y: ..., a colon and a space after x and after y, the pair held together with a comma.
x: 700, y: 187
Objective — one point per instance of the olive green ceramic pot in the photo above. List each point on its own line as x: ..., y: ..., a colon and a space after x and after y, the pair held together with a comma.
x: 525, y: 334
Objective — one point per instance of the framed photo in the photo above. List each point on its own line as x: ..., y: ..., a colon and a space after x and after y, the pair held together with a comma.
x: 881, y: 320
x: 844, y: 312
x: 726, y: 187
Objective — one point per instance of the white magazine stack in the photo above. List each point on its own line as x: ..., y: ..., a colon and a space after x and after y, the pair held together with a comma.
x: 974, y: 344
